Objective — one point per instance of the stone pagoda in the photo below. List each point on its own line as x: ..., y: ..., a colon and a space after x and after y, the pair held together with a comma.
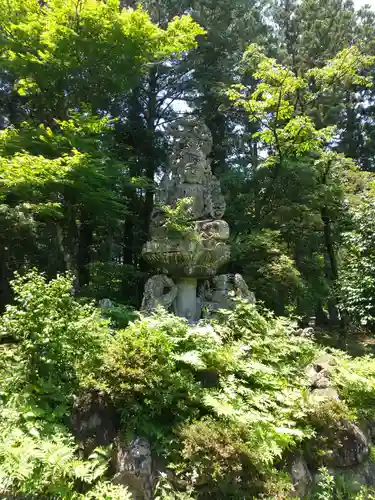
x: 187, y: 261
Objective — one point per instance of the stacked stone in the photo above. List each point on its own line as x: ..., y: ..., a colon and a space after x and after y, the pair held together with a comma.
x: 183, y: 259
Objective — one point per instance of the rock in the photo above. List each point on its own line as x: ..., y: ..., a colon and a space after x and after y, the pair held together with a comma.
x: 321, y: 380
x: 324, y: 362
x: 133, y: 465
x: 324, y: 394
x: 342, y: 446
x: 364, y: 474
x: 305, y: 332
x: 105, y: 303
x: 310, y: 373
x: 354, y: 478
x: 354, y: 446
x: 371, y: 428
x: 94, y: 421
x: 301, y: 477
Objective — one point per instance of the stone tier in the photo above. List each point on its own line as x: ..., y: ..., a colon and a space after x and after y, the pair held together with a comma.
x: 198, y: 254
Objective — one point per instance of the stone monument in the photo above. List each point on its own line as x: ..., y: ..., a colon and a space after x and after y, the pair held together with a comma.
x: 196, y: 253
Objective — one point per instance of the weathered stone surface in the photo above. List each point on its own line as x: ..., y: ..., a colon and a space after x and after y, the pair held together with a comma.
x: 160, y: 290
x: 200, y: 248
x: 355, y: 477
x: 310, y: 373
x: 305, y: 332
x: 301, y: 477
x: 105, y: 303
x: 94, y: 420
x: 324, y: 394
x: 219, y: 292
x: 321, y: 380
x: 324, y: 362
x: 133, y: 466
x: 343, y: 446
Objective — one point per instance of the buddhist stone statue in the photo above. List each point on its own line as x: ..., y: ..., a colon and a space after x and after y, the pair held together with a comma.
x: 199, y: 251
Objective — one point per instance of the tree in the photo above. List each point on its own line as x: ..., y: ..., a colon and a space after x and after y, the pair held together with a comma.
x: 71, y: 62
x: 297, y: 145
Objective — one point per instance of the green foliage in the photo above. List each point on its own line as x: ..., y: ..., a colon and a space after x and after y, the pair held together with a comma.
x: 57, y: 341
x: 357, y: 295
x: 141, y: 371
x: 53, y: 49
x: 264, y: 261
x: 117, y: 282
x: 178, y: 220
x: 107, y: 491
x: 166, y: 491
x: 306, y: 184
x: 326, y: 485
x: 40, y: 459
x: 219, y: 400
x: 119, y: 315
x: 223, y: 402
x: 339, y: 487
x: 356, y: 378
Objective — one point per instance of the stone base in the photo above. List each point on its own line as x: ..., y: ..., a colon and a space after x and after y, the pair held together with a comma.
x: 186, y: 300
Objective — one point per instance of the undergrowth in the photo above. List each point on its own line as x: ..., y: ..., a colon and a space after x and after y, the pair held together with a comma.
x: 224, y: 402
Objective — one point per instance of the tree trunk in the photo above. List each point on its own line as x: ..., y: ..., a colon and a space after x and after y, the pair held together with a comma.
x: 331, y: 264
x: 84, y: 248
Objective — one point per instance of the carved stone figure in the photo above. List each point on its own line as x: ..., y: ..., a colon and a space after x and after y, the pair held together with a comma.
x: 189, y: 174
x: 159, y: 291
x: 203, y: 249
x: 218, y: 293
x: 201, y: 252
x: 241, y: 289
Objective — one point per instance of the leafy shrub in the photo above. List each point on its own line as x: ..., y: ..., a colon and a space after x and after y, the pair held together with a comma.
x: 355, y: 379
x: 264, y: 261
x: 56, y: 343
x: 225, y: 400
x: 38, y: 458
x: 222, y: 400
x: 119, y: 315
x: 142, y: 373
x: 57, y: 340
x: 107, y: 491
x: 115, y: 281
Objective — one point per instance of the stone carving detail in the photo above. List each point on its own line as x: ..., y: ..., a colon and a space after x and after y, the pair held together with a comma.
x: 219, y: 292
x: 202, y: 249
x: 159, y: 291
x: 242, y: 290
x: 189, y: 174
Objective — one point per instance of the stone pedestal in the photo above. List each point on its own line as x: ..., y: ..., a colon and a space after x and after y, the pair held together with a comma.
x: 186, y: 300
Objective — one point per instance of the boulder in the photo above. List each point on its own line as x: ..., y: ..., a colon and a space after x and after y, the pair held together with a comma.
x: 321, y: 380
x: 133, y: 466
x: 342, y: 446
x: 354, y: 478
x: 94, y: 421
x: 310, y: 373
x: 301, y: 477
x: 324, y: 362
x: 324, y: 394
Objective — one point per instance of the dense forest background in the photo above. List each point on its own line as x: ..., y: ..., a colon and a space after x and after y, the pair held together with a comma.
x: 83, y: 143
x: 106, y: 403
